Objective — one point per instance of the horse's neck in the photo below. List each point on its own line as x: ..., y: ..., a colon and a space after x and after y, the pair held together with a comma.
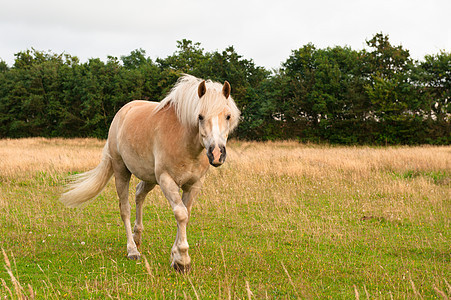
x: 185, y: 138
x: 191, y: 142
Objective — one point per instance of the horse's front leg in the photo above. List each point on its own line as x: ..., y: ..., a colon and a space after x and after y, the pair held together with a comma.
x: 180, y: 258
x: 190, y: 193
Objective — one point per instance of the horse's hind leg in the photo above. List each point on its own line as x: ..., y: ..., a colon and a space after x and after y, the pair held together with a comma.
x: 122, y: 178
x: 142, y: 189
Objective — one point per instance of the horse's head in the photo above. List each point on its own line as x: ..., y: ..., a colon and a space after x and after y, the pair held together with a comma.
x: 218, y: 116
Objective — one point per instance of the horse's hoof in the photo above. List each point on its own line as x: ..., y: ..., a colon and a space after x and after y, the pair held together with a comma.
x: 181, y: 268
x: 134, y: 256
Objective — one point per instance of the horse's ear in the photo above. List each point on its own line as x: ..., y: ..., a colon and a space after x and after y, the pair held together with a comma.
x: 226, y: 89
x: 202, y: 89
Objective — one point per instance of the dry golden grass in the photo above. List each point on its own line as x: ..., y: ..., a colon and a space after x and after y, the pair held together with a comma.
x: 292, y: 158
x: 364, y: 170
x: 20, y: 157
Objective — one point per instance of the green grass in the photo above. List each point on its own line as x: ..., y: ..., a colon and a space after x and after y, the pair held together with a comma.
x: 437, y: 177
x: 269, y: 236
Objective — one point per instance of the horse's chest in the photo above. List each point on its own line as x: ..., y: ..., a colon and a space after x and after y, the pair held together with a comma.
x: 188, y: 174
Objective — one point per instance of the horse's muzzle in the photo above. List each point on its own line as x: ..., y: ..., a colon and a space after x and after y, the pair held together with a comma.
x: 216, y: 155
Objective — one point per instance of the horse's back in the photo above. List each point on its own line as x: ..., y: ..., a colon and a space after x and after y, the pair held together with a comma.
x: 132, y: 119
x: 136, y: 107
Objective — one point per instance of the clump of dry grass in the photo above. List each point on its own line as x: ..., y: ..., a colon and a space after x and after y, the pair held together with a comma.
x: 19, y: 292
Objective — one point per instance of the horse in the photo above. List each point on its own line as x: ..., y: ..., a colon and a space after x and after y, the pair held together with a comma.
x: 170, y: 143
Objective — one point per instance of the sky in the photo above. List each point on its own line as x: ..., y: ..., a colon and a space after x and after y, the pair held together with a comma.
x: 265, y: 31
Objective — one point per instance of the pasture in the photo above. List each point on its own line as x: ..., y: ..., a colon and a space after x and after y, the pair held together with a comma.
x: 278, y: 220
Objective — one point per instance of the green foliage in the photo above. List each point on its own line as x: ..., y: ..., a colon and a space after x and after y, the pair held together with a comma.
x: 435, y: 79
x: 381, y: 96
x: 335, y: 95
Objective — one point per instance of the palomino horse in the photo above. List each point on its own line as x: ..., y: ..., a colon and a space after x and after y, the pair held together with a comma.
x: 171, y: 144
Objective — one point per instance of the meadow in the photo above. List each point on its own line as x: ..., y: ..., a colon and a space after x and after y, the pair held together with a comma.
x: 280, y: 220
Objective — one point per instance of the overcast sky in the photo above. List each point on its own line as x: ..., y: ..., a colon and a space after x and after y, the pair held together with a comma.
x: 265, y: 31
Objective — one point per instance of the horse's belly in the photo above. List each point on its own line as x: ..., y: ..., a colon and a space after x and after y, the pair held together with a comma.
x: 145, y: 176
x: 141, y: 167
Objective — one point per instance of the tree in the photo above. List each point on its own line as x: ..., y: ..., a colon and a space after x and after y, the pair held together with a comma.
x: 135, y: 60
x: 324, y: 97
x: 3, y: 66
x: 394, y: 104
x: 388, y: 67
x: 186, y: 58
x: 31, y: 94
x: 435, y: 78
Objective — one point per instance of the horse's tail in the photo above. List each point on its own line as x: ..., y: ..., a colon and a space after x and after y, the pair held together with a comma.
x: 88, y: 185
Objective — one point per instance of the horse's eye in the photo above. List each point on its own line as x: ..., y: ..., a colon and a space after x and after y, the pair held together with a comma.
x: 201, y: 117
x: 228, y: 117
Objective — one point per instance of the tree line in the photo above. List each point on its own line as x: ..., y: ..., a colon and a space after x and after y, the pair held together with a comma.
x: 378, y: 95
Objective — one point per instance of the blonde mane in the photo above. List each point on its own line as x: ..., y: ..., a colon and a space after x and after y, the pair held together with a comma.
x: 185, y: 100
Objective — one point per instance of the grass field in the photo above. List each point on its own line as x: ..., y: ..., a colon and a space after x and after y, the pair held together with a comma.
x: 277, y: 221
